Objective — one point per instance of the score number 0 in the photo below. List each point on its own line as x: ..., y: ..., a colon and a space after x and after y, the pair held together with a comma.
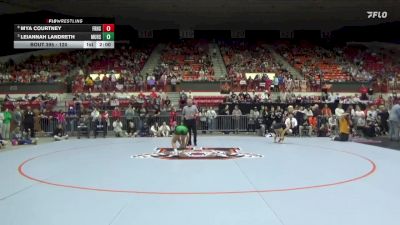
x: 108, y: 27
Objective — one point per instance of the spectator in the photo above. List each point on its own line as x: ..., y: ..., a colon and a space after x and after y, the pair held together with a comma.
x: 22, y: 138
x: 3, y: 142
x: 251, y: 121
x: 383, y: 116
x: 153, y: 93
x: 211, y: 118
x: 29, y: 121
x: 131, y: 131
x: 143, y: 116
x: 59, y: 133
x: 99, y: 123
x: 117, y: 125
x: 173, y: 83
x: 182, y: 98
x: 305, y: 126
x: 394, y: 122
x: 372, y: 114
x: 358, y: 119
x: 50, y: 120
x: 265, y: 97
x: 83, y: 126
x: 203, y: 120
x: 44, y: 121
x: 167, y: 103
x: 17, y: 116
x: 105, y: 117
x: 190, y: 95
x: 308, y: 111
x: 129, y: 115
x: 95, y: 114
x: 165, y: 130
x: 60, y: 116
x: 291, y: 123
x: 344, y: 128
x: 155, y: 130
x: 116, y: 113
x: 163, y: 96
x: 236, y: 113
x: 72, y: 118
x: 332, y: 122
x: 326, y: 111
x: 300, y: 116
x: 339, y: 111
x: 172, y: 118
x: 144, y: 130
x: 363, y: 92
x: 1, y: 120
x: 278, y: 114
x: 323, y: 130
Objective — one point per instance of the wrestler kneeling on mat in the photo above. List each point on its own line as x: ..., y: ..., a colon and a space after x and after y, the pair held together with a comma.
x: 280, y: 131
x: 181, y: 135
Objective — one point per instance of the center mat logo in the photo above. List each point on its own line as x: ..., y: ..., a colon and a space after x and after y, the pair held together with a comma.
x: 208, y: 153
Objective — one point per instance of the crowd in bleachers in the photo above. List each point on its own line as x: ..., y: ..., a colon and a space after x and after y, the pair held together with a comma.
x: 187, y: 60
x: 315, y: 62
x: 42, y: 69
x: 117, y: 69
x: 372, y: 64
x: 97, y: 70
x: 191, y: 60
x: 241, y: 57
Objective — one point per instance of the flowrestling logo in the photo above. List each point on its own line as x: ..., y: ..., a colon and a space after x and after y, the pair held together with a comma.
x: 377, y: 14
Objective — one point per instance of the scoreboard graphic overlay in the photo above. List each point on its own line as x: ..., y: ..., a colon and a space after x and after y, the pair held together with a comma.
x: 65, y: 34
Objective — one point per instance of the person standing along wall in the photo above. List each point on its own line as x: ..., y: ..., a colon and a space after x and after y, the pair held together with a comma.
x: 72, y: 119
x: 129, y: 114
x: 29, y: 122
x: 211, y: 117
x: 236, y: 113
x: 1, y: 121
x: 203, y: 121
x: 17, y: 117
x: 6, y: 124
x: 394, y: 122
x: 60, y: 117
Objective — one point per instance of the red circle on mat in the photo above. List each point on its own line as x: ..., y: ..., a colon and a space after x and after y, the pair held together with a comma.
x: 366, y: 174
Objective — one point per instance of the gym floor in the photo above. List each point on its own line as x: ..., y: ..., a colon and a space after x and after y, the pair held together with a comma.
x: 304, y: 181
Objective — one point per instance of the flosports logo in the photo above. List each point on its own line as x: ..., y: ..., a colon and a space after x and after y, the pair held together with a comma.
x: 377, y: 14
x: 199, y: 153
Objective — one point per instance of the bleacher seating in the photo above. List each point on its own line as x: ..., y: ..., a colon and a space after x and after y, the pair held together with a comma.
x: 189, y: 59
x: 314, y: 62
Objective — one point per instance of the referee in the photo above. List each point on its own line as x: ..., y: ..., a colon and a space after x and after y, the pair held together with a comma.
x: 189, y: 113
